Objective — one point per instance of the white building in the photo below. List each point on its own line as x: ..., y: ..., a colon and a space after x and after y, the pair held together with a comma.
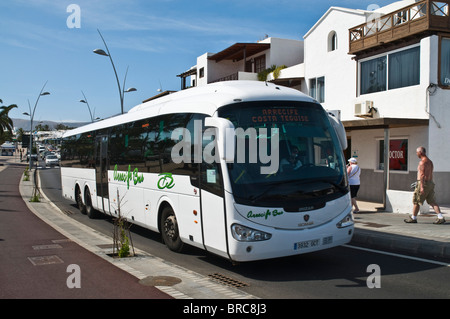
x: 243, y: 61
x: 387, y: 71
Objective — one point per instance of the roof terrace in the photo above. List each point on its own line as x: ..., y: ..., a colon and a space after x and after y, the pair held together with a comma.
x: 407, y: 24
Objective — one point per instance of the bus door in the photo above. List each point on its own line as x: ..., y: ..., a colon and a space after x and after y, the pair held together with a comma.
x: 101, y: 172
x: 213, y: 209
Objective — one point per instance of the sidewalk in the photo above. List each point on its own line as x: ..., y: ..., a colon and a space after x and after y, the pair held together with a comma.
x: 384, y: 230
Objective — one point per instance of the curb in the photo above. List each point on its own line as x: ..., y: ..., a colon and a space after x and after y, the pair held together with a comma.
x: 401, y: 243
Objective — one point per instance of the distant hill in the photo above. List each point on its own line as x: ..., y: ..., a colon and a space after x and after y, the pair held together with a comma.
x: 25, y: 124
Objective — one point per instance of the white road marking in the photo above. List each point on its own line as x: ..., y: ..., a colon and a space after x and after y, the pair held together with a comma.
x: 400, y: 255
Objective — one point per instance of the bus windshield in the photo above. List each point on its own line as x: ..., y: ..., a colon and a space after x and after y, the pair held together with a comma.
x: 311, y: 167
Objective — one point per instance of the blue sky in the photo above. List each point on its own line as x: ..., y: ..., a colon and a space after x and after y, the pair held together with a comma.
x: 156, y: 39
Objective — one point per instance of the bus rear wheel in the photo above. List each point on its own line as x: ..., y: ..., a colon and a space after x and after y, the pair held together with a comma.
x: 169, y: 230
x: 90, y: 210
x: 79, y: 200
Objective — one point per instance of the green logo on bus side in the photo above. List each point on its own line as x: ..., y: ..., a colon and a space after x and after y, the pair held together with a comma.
x: 166, y: 181
x: 128, y: 176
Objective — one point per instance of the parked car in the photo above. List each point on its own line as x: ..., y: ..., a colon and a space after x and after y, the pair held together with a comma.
x: 33, y: 156
x: 44, y: 154
x: 51, y: 160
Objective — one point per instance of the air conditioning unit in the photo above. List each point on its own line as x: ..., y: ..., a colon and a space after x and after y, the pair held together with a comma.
x: 364, y: 108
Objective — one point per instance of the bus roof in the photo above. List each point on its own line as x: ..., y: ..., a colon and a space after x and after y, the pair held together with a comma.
x: 205, y: 100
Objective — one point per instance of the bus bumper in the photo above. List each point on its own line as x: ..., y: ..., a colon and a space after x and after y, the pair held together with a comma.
x: 293, y: 242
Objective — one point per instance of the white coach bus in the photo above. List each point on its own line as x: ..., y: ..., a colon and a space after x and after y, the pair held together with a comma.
x: 276, y: 185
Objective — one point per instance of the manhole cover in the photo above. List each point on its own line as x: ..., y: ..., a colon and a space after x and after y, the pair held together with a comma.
x: 159, y: 281
x: 45, y: 260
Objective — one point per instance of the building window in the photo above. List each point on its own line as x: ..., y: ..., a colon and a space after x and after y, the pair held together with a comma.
x: 392, y: 71
x: 332, y: 41
x: 317, y: 89
x: 398, y: 155
x: 260, y: 63
x: 444, y: 68
x: 201, y: 72
x: 404, y: 68
x: 373, y: 75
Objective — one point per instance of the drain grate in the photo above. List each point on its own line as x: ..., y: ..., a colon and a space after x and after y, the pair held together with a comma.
x: 227, y: 281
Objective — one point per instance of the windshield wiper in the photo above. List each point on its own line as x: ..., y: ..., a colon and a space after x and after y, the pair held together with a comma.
x: 273, y: 186
x: 336, y: 185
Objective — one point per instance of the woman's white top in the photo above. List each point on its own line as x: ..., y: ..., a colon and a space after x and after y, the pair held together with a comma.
x: 353, y: 176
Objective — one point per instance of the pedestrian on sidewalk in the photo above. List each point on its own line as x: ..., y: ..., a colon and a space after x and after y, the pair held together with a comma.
x: 354, y: 172
x: 424, y: 190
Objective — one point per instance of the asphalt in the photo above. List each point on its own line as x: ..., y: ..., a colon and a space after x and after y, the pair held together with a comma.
x: 154, y: 277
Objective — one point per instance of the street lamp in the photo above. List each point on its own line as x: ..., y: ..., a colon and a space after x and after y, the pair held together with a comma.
x: 86, y: 102
x: 122, y: 91
x: 31, y: 115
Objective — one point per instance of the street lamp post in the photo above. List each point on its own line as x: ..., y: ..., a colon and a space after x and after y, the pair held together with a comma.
x: 86, y: 102
x: 122, y: 90
x: 31, y: 115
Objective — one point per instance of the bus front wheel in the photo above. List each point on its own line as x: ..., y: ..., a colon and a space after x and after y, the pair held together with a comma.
x: 169, y: 230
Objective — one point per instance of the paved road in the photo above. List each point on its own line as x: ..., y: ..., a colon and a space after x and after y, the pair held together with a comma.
x: 35, y: 258
x: 336, y: 273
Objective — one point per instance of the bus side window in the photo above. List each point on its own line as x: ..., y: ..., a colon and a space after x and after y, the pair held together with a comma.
x: 211, y: 174
x: 211, y: 178
x: 118, y: 148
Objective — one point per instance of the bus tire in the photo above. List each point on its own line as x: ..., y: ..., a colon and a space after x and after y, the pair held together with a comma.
x: 79, y: 200
x: 90, y: 211
x: 169, y: 230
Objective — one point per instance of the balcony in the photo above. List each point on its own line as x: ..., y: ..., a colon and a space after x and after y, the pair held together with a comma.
x: 237, y: 76
x: 410, y: 23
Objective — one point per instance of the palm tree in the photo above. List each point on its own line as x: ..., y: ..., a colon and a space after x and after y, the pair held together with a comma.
x: 6, y: 123
x: 19, y: 134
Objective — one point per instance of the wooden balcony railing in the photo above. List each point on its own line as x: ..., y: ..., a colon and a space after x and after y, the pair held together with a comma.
x: 422, y: 17
x: 231, y: 77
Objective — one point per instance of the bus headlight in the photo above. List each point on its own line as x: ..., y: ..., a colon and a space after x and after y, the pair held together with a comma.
x: 346, y: 221
x: 242, y: 233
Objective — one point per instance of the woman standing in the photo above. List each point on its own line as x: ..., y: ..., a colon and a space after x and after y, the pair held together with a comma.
x: 353, y: 172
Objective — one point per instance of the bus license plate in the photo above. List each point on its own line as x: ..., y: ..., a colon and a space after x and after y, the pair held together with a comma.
x: 307, y: 244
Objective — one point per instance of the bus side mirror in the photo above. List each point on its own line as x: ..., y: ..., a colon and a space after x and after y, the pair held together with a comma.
x: 225, y: 137
x: 339, y: 129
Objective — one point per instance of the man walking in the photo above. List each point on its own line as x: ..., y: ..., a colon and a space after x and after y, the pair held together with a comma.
x: 425, y: 188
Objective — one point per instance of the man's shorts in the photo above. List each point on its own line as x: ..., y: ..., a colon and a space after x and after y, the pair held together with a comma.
x: 428, y: 194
